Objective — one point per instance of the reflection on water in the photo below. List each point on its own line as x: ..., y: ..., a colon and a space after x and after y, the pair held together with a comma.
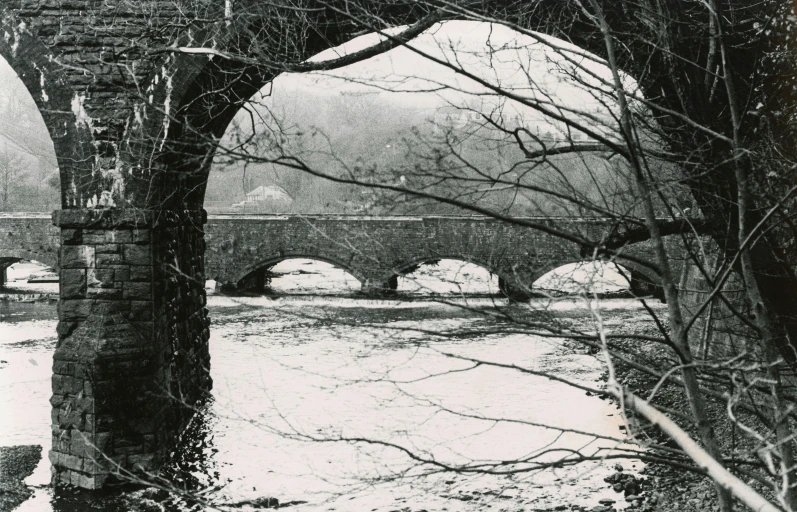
x: 296, y: 381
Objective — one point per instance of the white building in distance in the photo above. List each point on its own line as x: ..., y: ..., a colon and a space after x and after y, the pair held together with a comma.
x: 269, y: 193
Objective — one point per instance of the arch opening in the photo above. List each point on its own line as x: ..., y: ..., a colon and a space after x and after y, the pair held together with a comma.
x: 21, y: 275
x: 300, y: 276
x: 348, y: 124
x: 30, y: 178
x: 45, y: 114
x: 446, y: 276
x: 602, y: 277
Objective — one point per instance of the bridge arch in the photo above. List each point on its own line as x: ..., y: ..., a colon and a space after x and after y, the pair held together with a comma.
x: 641, y: 278
x: 275, y: 259
x: 59, y: 105
x: 15, y: 255
x: 10, y: 256
x: 387, y: 279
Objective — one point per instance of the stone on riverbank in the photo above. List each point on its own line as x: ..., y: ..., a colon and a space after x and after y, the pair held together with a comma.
x: 16, y: 464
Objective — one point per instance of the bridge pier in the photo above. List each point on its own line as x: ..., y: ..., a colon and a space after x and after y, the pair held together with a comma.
x: 375, y: 287
x: 641, y: 285
x: 257, y: 282
x: 512, y: 291
x: 132, y: 354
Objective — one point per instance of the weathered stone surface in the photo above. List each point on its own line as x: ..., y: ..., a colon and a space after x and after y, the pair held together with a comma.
x: 100, y: 278
x: 74, y: 308
x: 138, y: 290
x: 140, y: 273
x: 119, y: 236
x: 117, y: 340
x: 108, y: 260
x: 73, y: 283
x: 71, y: 236
x: 77, y: 256
x: 104, y: 293
x: 137, y: 255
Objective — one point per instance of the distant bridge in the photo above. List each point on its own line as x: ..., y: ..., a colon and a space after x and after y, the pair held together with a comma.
x: 375, y: 250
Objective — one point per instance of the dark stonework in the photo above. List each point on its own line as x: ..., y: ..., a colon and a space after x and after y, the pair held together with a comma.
x: 130, y: 362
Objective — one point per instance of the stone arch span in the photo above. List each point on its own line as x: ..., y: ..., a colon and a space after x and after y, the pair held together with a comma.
x: 642, y: 279
x: 504, y: 275
x: 58, y: 104
x: 16, y: 255
x: 10, y: 256
x: 275, y: 259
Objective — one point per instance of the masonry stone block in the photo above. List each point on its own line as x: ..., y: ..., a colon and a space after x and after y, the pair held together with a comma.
x: 140, y: 273
x: 142, y: 236
x: 109, y: 260
x: 94, y: 236
x: 73, y: 283
x: 137, y: 290
x: 139, y: 255
x: 119, y: 236
x: 100, y: 278
x: 77, y: 256
x: 107, y: 249
x: 72, y: 236
x: 105, y: 293
x: 74, y: 308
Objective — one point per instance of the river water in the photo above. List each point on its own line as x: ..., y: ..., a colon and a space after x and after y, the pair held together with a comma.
x: 297, y: 377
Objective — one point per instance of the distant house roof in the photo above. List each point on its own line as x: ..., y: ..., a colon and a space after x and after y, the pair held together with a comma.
x: 269, y: 193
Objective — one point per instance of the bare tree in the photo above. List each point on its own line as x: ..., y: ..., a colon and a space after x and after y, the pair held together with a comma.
x: 11, y: 168
x: 683, y: 138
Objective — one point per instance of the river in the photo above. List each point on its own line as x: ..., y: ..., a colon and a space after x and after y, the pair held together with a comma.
x: 293, y: 373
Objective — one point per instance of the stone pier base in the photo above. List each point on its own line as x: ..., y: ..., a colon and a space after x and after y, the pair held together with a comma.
x: 132, y: 355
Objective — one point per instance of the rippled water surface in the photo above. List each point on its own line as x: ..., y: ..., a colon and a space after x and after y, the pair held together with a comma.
x: 298, y: 381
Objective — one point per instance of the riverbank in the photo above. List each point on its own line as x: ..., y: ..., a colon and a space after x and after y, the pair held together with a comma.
x: 16, y: 464
x: 667, y: 488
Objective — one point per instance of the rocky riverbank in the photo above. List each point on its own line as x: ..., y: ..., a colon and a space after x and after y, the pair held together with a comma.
x: 662, y: 487
x: 16, y: 464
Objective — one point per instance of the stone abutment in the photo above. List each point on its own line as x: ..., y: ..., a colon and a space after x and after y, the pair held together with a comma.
x: 132, y: 355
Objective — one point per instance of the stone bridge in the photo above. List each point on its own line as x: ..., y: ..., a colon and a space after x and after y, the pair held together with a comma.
x: 134, y: 95
x: 27, y: 236
x: 375, y: 250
